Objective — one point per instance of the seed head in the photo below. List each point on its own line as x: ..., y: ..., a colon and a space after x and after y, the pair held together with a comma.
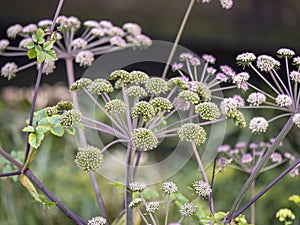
x: 192, y: 133
x: 143, y: 109
x: 115, y: 106
x: 208, y: 110
x: 89, y: 158
x: 258, y: 125
x: 160, y: 103
x: 202, y: 188
x: 144, y: 139
x: 156, y: 86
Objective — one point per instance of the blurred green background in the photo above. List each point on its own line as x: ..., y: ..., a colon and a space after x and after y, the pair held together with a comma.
x: 251, y: 25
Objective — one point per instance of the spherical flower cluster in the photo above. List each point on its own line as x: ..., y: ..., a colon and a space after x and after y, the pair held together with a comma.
x: 79, y: 43
x: 9, y: 70
x: 14, y: 30
x: 144, y: 139
x: 209, y: 58
x: 169, y: 187
x: 189, y: 96
x: 156, y: 86
x: 97, y: 221
x: 136, y: 91
x: 70, y: 118
x: 63, y: 106
x: 85, y: 58
x: 202, y: 90
x: 151, y: 207
x: 188, y: 209
x: 192, y: 133
x: 137, y: 186
x: 256, y: 98
x: 160, y: 103
x: 285, y: 52
x: 115, y: 106
x: 238, y: 117
x: 181, y: 82
x: 267, y: 63
x: 194, y: 61
x: 135, y: 203
x: 208, y: 110
x: 241, y: 78
x: 202, y: 188
x: 3, y: 44
x: 48, y: 67
x: 23, y: 43
x: 143, y: 109
x: 138, y: 77
x: 228, y: 105
x: 121, y: 75
x: 30, y: 29
x: 117, y: 41
x: 285, y: 214
x: 81, y: 83
x: 276, y: 157
x: 89, y: 158
x: 246, y: 158
x: 245, y: 59
x: 295, y: 76
x: 132, y: 28
x: 68, y: 23
x: 222, y: 77
x: 258, y: 125
x: 177, y: 66
x: 284, y: 100
x: 226, y: 4
x: 100, y: 86
x: 141, y: 40
x: 296, y: 119
x: 227, y: 70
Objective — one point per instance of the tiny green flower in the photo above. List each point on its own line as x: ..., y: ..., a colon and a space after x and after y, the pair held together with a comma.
x: 89, y: 158
x: 189, y: 96
x: 138, y: 77
x: 143, y: 109
x: 156, y: 86
x: 208, y: 110
x: 136, y: 91
x: 192, y: 132
x: 160, y: 103
x: 81, y: 83
x: 144, y: 139
x: 100, y: 86
x: 115, y: 106
x: 70, y: 118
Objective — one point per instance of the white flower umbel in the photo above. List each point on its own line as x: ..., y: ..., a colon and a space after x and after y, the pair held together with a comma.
x: 258, y: 125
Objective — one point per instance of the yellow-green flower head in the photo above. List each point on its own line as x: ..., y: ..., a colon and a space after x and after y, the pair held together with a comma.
x: 63, y: 106
x: 138, y: 77
x: 136, y: 91
x: 120, y: 74
x: 115, y: 106
x: 100, y: 86
x: 189, y: 96
x: 192, y: 132
x: 50, y: 111
x: 238, y: 117
x: 178, y: 81
x: 160, y: 103
x: 81, y: 83
x: 143, y: 109
x: 202, y: 188
x: 202, y: 90
x: 89, y: 158
x: 144, y: 139
x: 70, y: 118
x: 285, y: 214
x: 156, y: 86
x: 208, y: 111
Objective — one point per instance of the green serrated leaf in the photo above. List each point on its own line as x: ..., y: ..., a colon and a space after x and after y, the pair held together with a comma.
x: 58, y: 130
x: 31, y: 53
x: 35, y: 139
x: 30, y: 45
x: 48, y: 45
x: 40, y: 33
x: 51, y: 55
x: 41, y: 56
x: 44, y: 122
x: 38, y: 49
x: 34, y: 38
x: 41, y: 41
x: 39, y: 115
x: 54, y: 119
x: 42, y: 129
x: 70, y: 130
x: 28, y: 129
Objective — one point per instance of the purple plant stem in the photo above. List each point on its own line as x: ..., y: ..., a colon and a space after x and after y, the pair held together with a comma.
x: 268, y: 187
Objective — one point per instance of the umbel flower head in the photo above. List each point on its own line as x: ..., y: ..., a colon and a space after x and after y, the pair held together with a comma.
x: 98, y: 220
x: 144, y: 139
x: 169, y: 187
x: 208, y: 110
x: 202, y: 188
x: 70, y: 118
x: 137, y: 186
x: 152, y: 207
x: 135, y: 203
x: 188, y: 209
x: 89, y: 158
x: 143, y: 109
x: 115, y: 106
x: 192, y: 132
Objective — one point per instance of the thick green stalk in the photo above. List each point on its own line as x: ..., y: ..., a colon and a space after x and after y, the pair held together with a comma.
x: 260, y: 165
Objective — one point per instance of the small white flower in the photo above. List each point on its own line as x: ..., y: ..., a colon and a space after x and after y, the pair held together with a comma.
x: 296, y: 61
x: 140, y: 40
x: 266, y: 63
x: 194, y: 61
x: 202, y: 188
x: 169, y: 187
x: 29, y: 29
x: 295, y: 76
x: 137, y: 186
x: 9, y: 70
x: 79, y: 43
x: 74, y: 22
x: 115, y: 31
x: 84, y: 58
x: 132, y: 28
x: 284, y: 100
x: 14, y: 30
x: 3, y: 44
x: 285, y: 52
x: 258, y: 125
x: 247, y: 158
x: 296, y: 119
x: 188, y: 209
x: 256, y: 98
x: 226, y: 4
x: 276, y: 157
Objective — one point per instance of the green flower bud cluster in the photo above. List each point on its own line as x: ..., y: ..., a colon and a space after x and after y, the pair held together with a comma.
x: 238, y: 117
x: 100, y: 86
x: 144, y: 139
x: 208, y: 110
x: 59, y: 108
x: 143, y: 109
x: 70, y: 118
x: 189, y: 96
x: 120, y: 75
x: 203, y: 91
x: 160, y: 103
x: 138, y: 77
x: 136, y: 91
x: 192, y: 132
x: 176, y: 81
x: 81, y: 83
x: 156, y: 86
x: 89, y: 158
x: 115, y: 106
